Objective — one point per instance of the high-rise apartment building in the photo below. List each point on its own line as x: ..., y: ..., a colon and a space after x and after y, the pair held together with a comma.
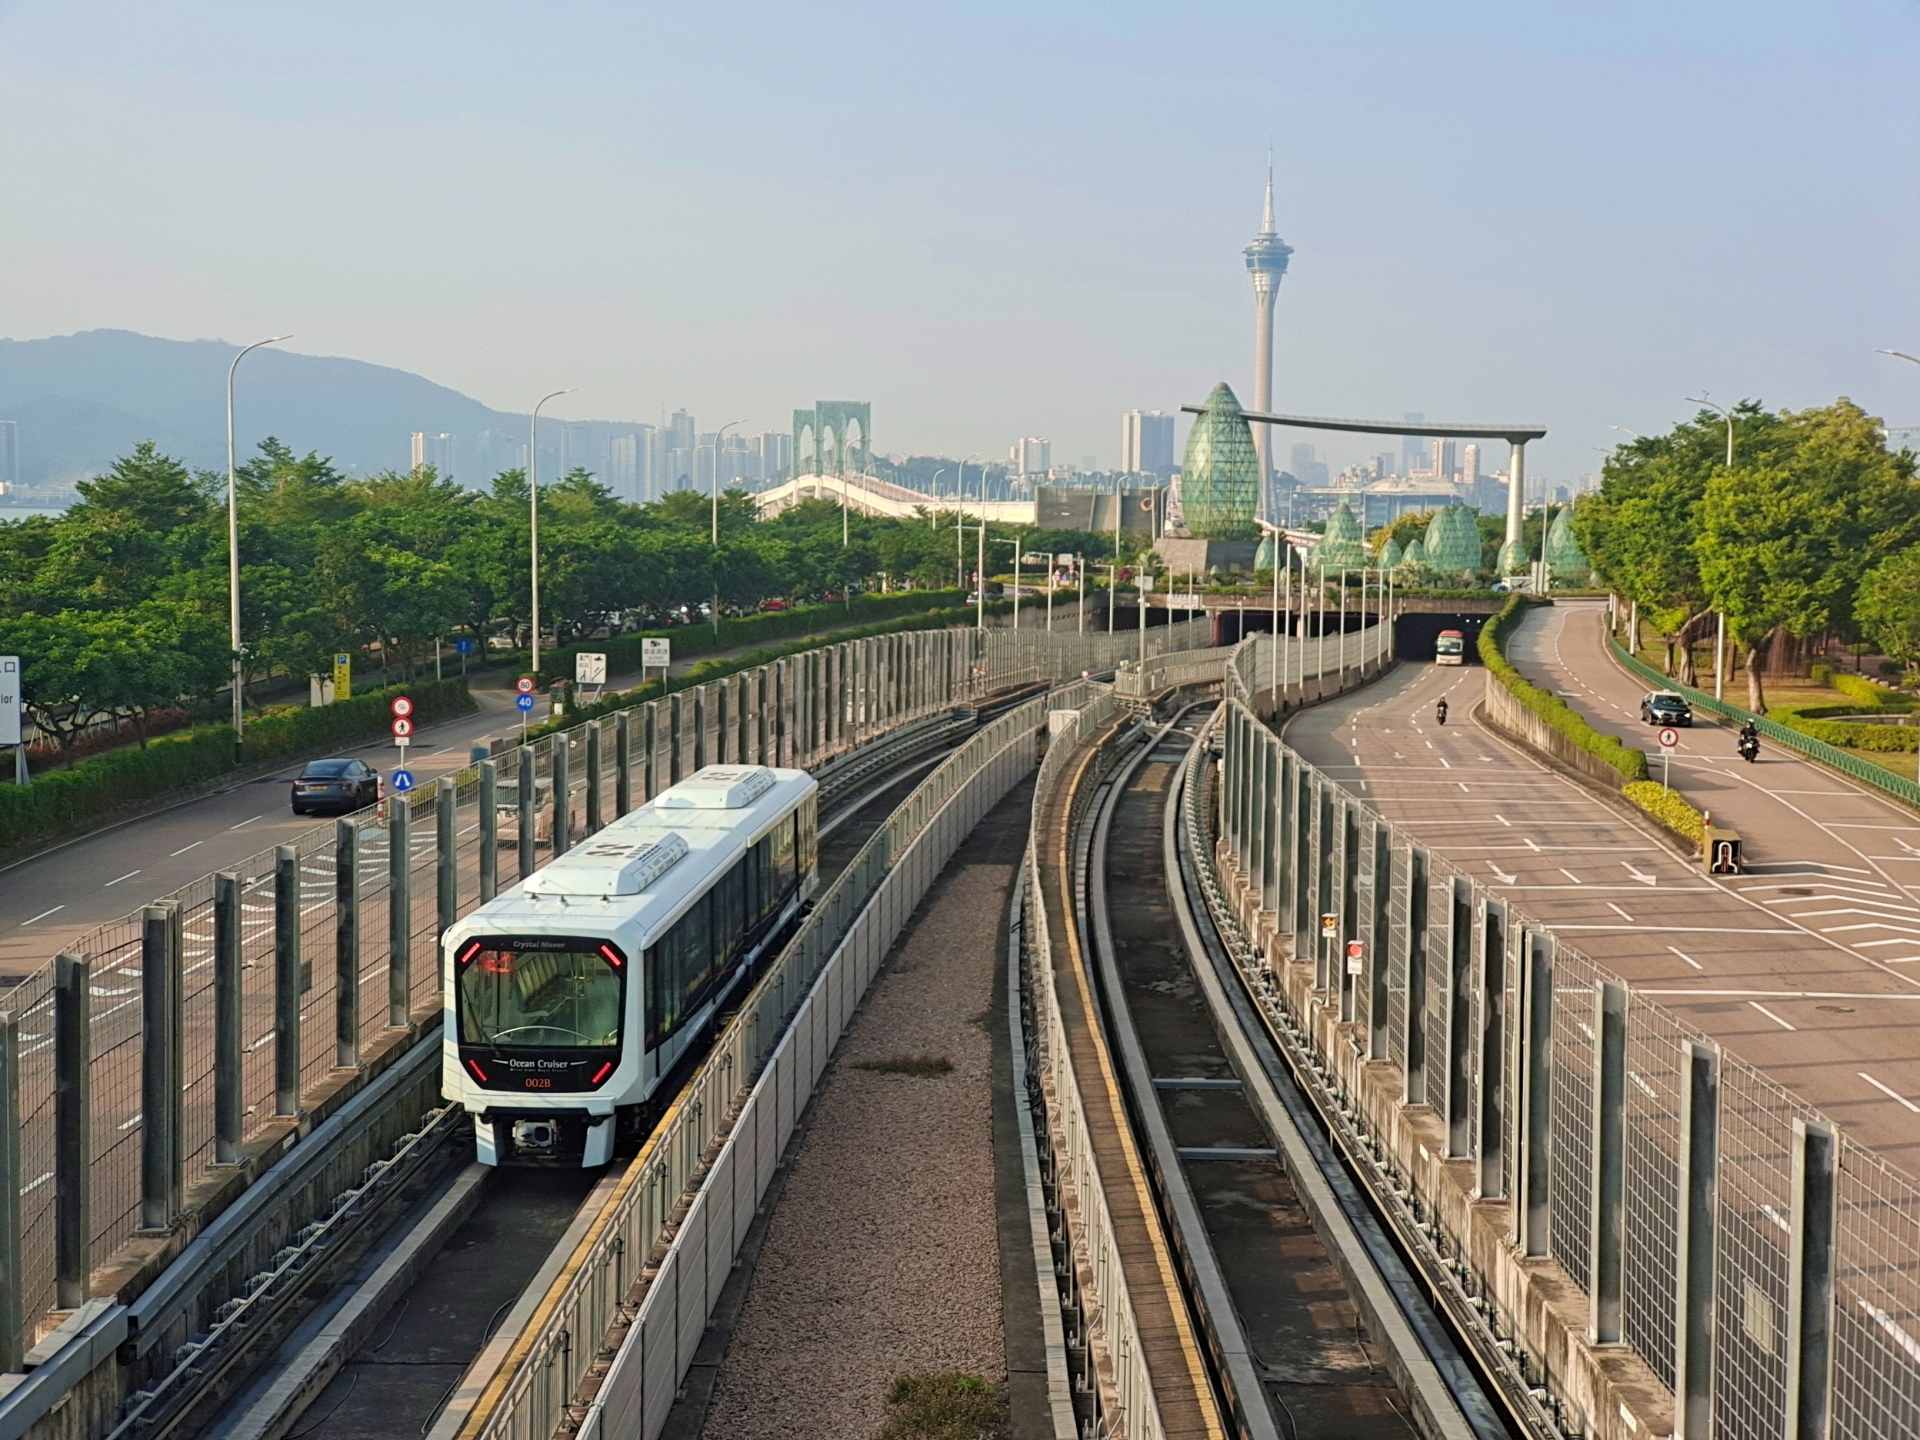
x: 1413, y: 450
x: 623, y: 466
x: 1030, y: 456
x: 495, y: 453
x: 1443, y: 465
x: 772, y: 452
x: 682, y: 454
x: 417, y: 451
x: 9, y: 453
x: 1470, y: 465
x: 1146, y: 443
x: 1300, y: 459
x: 578, y: 450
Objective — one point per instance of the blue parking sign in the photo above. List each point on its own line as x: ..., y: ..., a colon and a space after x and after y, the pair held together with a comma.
x: 525, y: 702
x: 403, y: 780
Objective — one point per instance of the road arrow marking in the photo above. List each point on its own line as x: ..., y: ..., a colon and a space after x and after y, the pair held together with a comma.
x: 1643, y: 878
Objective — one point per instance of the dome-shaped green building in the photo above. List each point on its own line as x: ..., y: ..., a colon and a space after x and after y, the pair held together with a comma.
x: 1566, y: 561
x: 1267, y: 557
x: 1342, y: 547
x: 1390, y: 555
x: 1220, y: 474
x: 1416, y: 556
x: 1453, y: 542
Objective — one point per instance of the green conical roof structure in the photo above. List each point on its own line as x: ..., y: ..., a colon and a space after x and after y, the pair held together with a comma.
x: 1341, y: 548
x: 1220, y: 474
x: 1416, y: 556
x: 1266, y: 557
x: 1565, y: 559
x: 1453, y: 541
x: 1390, y: 556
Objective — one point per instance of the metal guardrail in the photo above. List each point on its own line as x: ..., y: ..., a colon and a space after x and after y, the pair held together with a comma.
x: 1107, y: 1319
x: 1852, y: 766
x: 244, y: 996
x: 774, y: 1050
x: 1683, y: 1191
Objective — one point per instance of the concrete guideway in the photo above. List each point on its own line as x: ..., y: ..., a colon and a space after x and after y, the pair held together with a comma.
x: 1768, y: 963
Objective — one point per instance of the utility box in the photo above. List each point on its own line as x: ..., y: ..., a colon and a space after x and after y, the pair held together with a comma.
x: 1720, y: 851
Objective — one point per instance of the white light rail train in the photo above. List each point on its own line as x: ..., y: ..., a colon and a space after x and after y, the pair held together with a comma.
x: 570, y: 999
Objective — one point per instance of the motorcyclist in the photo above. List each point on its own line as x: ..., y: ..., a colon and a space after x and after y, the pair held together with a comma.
x: 1749, y: 743
x: 1440, y: 711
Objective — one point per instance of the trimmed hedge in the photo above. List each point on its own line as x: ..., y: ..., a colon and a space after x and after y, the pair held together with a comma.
x: 1886, y: 739
x: 1667, y: 807
x: 61, y: 801
x: 623, y: 651
x: 720, y: 668
x: 1551, y: 708
x: 1867, y: 692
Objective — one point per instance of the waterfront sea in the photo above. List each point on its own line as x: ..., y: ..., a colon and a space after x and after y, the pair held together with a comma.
x: 21, y: 512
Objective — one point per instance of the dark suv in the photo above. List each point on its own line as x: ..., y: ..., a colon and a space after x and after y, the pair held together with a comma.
x: 335, y: 785
x: 1663, y: 707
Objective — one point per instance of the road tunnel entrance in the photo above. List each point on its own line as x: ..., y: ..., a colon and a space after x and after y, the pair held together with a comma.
x: 1414, y: 635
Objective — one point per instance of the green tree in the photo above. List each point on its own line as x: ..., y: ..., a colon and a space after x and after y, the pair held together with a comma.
x: 1887, y: 606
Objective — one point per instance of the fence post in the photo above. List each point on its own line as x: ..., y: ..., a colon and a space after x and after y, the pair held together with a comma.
x: 1323, y: 895
x: 72, y: 1127
x: 1284, y: 845
x: 1414, y: 1044
x: 562, y: 800
x: 286, y: 980
x: 400, y: 904
x: 159, y: 1067
x: 346, y: 945
x: 1491, y: 1141
x: 1609, y: 1161
x: 529, y: 815
x: 1532, y: 1213
x: 622, y: 764
x: 446, y: 856
x: 594, y: 816
x: 227, y: 1058
x: 1698, y: 1234
x: 1810, y: 1281
x: 722, y: 720
x: 1378, y: 957
x: 700, y: 727
x: 676, y: 708
x: 12, y: 1272
x: 1460, y: 1021
x: 489, y: 831
x: 1349, y: 905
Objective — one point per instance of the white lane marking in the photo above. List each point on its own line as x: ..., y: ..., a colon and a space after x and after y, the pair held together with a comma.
x: 131, y: 1123
x: 1874, y: 925
x: 1527, y: 840
x: 1463, y: 785
x: 1571, y: 876
x: 244, y: 823
x: 1770, y: 1015
x: 1886, y: 912
x: 1688, y: 958
x: 1621, y: 913
x: 43, y: 915
x: 1505, y: 878
x: 1444, y: 764
x: 128, y: 876
x: 1885, y: 1090
x: 1429, y: 745
x: 1900, y: 1337
x: 184, y: 848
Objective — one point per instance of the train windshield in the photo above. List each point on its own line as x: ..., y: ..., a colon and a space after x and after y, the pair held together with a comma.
x: 525, y: 998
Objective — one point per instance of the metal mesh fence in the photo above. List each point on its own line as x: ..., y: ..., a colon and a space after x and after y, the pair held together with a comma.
x: 1876, y: 1318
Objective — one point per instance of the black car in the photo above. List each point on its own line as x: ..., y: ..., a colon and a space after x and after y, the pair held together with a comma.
x: 335, y: 785
x: 1663, y: 707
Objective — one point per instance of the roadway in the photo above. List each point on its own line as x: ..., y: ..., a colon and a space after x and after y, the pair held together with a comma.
x: 52, y: 899
x: 1801, y: 967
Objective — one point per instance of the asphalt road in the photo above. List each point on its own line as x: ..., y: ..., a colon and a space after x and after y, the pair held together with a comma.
x: 53, y: 899
x: 1804, y: 967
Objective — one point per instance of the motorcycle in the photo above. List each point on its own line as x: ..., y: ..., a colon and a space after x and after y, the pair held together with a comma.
x: 1749, y: 748
x: 1440, y: 713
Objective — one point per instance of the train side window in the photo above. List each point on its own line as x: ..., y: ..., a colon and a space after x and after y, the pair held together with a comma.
x: 696, y: 951
x: 761, y: 894
x: 663, y: 995
x: 730, y: 910
x: 809, y: 839
x: 783, y: 856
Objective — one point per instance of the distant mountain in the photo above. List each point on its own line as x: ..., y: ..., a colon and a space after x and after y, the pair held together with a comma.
x: 81, y: 401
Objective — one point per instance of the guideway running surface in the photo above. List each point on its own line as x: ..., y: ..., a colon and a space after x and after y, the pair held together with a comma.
x: 1757, y: 961
x: 1319, y: 1370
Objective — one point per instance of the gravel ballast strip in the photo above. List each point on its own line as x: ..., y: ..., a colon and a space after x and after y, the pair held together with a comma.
x: 883, y: 1256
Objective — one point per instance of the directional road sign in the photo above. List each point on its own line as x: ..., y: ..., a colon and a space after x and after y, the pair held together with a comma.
x: 402, y: 727
x: 525, y: 686
x: 656, y: 652
x: 525, y: 702
x: 401, y: 707
x: 589, y: 669
x: 403, y: 780
x: 1669, y: 737
x: 464, y: 645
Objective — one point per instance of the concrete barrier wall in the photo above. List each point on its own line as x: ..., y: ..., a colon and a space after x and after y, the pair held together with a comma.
x: 1506, y: 713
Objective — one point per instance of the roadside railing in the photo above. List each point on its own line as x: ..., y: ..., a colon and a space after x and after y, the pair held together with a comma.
x: 1604, y: 1118
x: 240, y: 1001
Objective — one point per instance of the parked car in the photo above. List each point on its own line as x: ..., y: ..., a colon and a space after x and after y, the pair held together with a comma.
x: 1663, y: 707
x: 337, y: 786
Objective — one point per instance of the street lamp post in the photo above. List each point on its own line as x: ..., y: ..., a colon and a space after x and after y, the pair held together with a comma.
x: 718, y: 435
x: 933, y: 518
x: 233, y: 557
x: 533, y: 517
x: 1726, y: 414
x: 959, y: 521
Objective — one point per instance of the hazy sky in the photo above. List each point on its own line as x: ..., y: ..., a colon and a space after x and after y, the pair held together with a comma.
x: 991, y: 219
